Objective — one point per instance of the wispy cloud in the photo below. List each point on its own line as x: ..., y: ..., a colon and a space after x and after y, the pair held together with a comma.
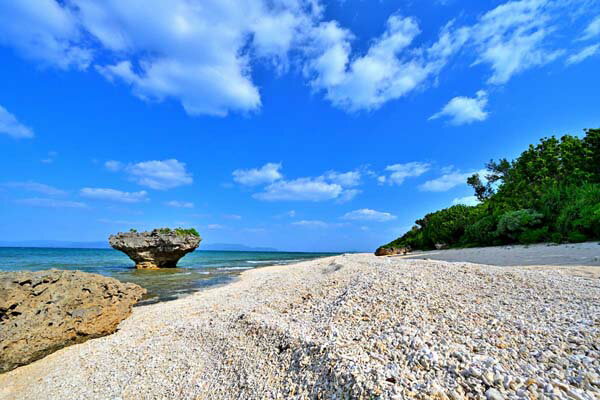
x: 51, y: 203
x: 114, y: 195
x: 367, y: 214
x: 592, y: 30
x: 311, y: 223
x: 113, y: 165
x: 398, y: 173
x: 301, y: 189
x: 256, y: 176
x: 36, y: 187
x: 180, y: 204
x: 584, y: 54
x: 154, y: 174
x: 50, y: 158
x: 450, y: 179
x: 465, y: 110
x: 467, y: 201
x: 10, y: 125
x: 215, y: 226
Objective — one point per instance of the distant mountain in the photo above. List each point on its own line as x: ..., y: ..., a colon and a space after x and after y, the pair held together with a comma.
x: 233, y: 247
x: 56, y: 244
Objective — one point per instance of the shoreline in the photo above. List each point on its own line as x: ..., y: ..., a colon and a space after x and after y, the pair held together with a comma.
x: 330, y: 325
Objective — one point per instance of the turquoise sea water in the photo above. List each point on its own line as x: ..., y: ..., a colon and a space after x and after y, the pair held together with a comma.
x: 195, y: 271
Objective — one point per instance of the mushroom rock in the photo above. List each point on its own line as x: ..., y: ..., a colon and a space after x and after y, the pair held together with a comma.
x: 160, y: 248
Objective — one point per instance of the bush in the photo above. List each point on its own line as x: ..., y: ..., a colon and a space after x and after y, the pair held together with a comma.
x: 184, y: 232
x: 513, y: 223
x: 482, y: 232
x: 581, y: 212
x: 577, y: 237
x: 534, y: 236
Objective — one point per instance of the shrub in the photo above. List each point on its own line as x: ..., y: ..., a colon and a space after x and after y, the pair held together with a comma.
x: 581, y: 212
x: 556, y: 238
x: 577, y: 237
x: 534, y: 235
x: 184, y: 232
x: 513, y: 223
x: 482, y: 232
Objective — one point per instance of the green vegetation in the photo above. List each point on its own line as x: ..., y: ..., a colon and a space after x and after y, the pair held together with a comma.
x: 184, y: 232
x: 177, y: 231
x: 551, y: 192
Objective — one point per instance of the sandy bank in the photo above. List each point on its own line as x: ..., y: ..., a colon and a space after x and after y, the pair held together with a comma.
x: 576, y: 254
x: 355, y: 326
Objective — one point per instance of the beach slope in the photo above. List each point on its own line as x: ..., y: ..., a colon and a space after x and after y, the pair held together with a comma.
x: 350, y: 326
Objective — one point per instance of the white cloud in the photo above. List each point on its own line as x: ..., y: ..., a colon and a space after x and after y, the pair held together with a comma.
x: 288, y: 214
x: 467, y: 201
x: 311, y: 223
x: 201, y: 53
x: 301, y: 189
x: 197, y: 52
x: 368, y: 81
x: 51, y: 203
x: 180, y: 204
x: 9, y: 125
x: 232, y: 216
x: 512, y: 37
x: 251, y: 177
x: 36, y: 187
x: 43, y: 30
x: 160, y: 175
x: 592, y: 30
x: 465, y: 110
x: 347, y: 195
x: 367, y: 214
x: 114, y: 195
x: 399, y: 172
x: 346, y: 179
x: 329, y: 186
x: 448, y: 180
x: 214, y: 226
x: 585, y: 53
x: 113, y: 165
x: 51, y: 157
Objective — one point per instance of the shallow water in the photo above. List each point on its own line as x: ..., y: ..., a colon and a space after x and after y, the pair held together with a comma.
x: 195, y: 271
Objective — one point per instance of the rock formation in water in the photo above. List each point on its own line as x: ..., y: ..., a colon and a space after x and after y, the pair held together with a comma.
x: 160, y: 248
x: 390, y: 251
x: 43, y: 311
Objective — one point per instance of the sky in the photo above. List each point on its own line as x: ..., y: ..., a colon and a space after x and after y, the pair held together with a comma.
x: 295, y: 124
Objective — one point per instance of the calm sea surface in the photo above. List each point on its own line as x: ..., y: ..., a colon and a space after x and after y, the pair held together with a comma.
x: 195, y: 271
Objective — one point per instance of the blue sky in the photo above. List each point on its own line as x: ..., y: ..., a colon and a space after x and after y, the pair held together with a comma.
x: 296, y: 124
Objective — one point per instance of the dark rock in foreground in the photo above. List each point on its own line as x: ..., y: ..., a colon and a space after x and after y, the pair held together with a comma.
x: 160, y: 248
x: 391, y: 251
x: 43, y: 311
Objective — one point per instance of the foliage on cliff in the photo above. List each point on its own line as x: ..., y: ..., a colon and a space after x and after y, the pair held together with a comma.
x: 551, y: 192
x: 177, y: 231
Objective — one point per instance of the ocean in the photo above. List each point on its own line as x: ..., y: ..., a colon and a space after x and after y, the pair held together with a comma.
x: 197, y: 270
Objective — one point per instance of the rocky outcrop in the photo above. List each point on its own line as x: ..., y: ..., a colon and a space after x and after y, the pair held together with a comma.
x: 160, y: 248
x: 391, y: 251
x: 43, y: 311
